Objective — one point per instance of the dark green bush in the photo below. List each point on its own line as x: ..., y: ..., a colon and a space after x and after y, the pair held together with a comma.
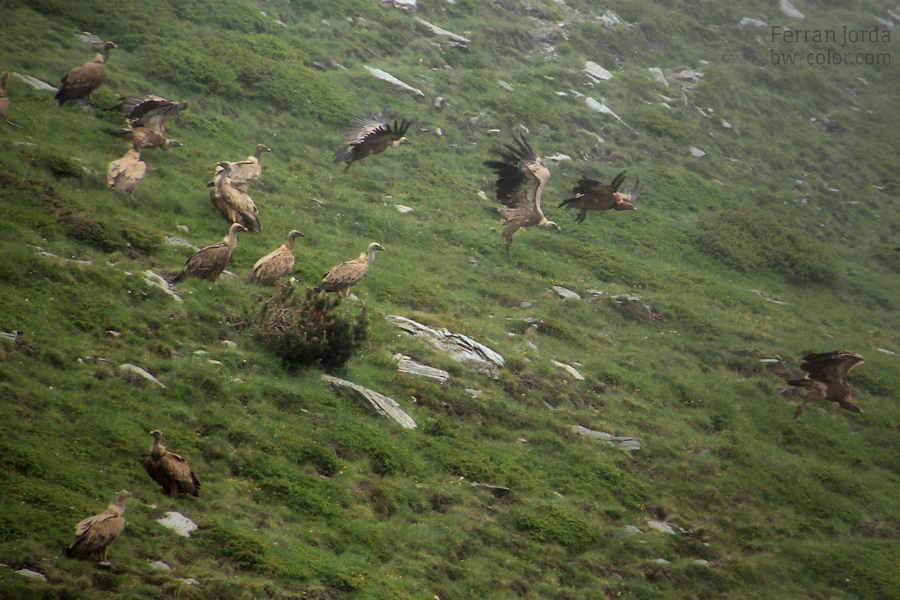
x: 553, y: 523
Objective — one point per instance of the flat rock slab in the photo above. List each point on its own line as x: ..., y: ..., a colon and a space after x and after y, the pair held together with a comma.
x: 407, y: 365
x: 568, y: 369
x: 130, y: 368
x: 371, y: 400
x: 31, y: 574
x: 385, y: 76
x: 461, y: 348
x: 626, y: 443
x: 178, y: 523
x: 660, y: 526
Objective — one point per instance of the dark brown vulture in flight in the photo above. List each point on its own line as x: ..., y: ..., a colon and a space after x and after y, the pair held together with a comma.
x: 170, y: 470
x: 4, y: 101
x: 825, y: 378
x: 95, y: 534
x: 273, y: 266
x: 211, y: 261
x: 235, y: 206
x: 347, y: 274
x: 521, y: 177
x: 82, y: 80
x: 124, y: 174
x: 146, y: 117
x: 371, y: 134
x: 245, y: 172
x: 593, y: 195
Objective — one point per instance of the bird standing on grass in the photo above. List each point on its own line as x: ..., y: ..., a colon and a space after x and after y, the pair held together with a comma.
x: 347, y: 274
x: 211, y: 261
x: 124, y: 174
x: 95, y: 534
x: 273, y: 266
x: 593, y: 195
x: 245, y: 172
x: 371, y: 134
x: 170, y: 470
x: 825, y: 378
x: 235, y: 205
x: 81, y: 81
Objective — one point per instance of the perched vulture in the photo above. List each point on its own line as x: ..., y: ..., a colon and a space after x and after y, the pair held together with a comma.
x: 146, y: 117
x: 170, y: 470
x: 245, y: 172
x: 125, y: 174
x: 4, y: 101
x: 825, y: 378
x: 95, y: 534
x: 347, y: 274
x: 273, y: 266
x: 371, y: 134
x: 521, y: 177
x: 81, y: 81
x: 234, y: 205
x: 593, y: 195
x: 209, y: 262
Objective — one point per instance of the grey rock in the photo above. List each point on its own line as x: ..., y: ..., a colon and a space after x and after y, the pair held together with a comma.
x: 697, y: 152
x: 596, y: 72
x: 633, y: 530
x: 461, y: 348
x: 566, y: 294
x: 385, y: 76
x: 371, y: 400
x: 660, y: 526
x: 569, y: 369
x: 661, y: 561
x: 156, y: 281
x: 407, y: 365
x: 36, y: 83
x: 31, y: 574
x: 443, y: 32
x: 178, y: 523
x: 230, y: 344
x: 130, y: 368
x: 160, y: 566
x: 625, y: 443
x: 789, y: 11
x: 505, y: 86
x: 657, y: 75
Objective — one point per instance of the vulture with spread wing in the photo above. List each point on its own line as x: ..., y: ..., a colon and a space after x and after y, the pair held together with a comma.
x: 81, y: 81
x: 146, y: 116
x: 211, y: 261
x: 347, y: 274
x: 124, y: 174
x: 245, y: 172
x: 170, y: 470
x: 235, y: 205
x: 273, y: 266
x: 593, y: 195
x: 95, y: 534
x: 4, y: 101
x: 825, y: 378
x: 521, y: 177
x: 371, y: 134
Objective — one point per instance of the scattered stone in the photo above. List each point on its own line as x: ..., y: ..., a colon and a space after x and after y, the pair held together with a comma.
x: 656, y: 74
x: 178, y: 523
x: 789, y: 11
x: 439, y: 101
x: 661, y: 561
x: 12, y: 337
x: 483, y: 196
x: 461, y: 348
x: 160, y: 566
x: 755, y: 22
x: 31, y: 574
x: 602, y: 108
x: 660, y: 526
x: 505, y: 86
x: 115, y: 334
x: 130, y: 368
x: 407, y: 365
x: 697, y: 152
x: 438, y: 31
x: 558, y: 157
x: 216, y: 362
x: 189, y: 581
x: 385, y: 76
x: 596, y: 72
x: 371, y: 400
x: 700, y: 561
x: 566, y: 294
x: 180, y: 243
x: 403, y: 209
x: 24, y: 145
x: 596, y: 136
x: 402, y: 4
x: 36, y: 83
x: 767, y: 297
x: 569, y: 369
x: 886, y: 351
x: 156, y: 281
x: 626, y: 443
x: 474, y: 393
x: 525, y: 305
x: 230, y: 344
x: 633, y: 530
x: 726, y: 124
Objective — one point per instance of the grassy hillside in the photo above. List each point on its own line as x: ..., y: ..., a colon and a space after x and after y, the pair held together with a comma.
x: 778, y: 242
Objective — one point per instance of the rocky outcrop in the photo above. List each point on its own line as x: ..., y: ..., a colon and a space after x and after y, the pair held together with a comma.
x: 372, y: 401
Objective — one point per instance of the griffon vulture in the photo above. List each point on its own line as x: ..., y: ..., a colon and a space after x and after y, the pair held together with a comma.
x: 125, y: 174
x: 146, y: 117
x: 371, y: 134
x: 234, y: 205
x: 209, y: 262
x: 347, y: 274
x: 593, y: 195
x: 245, y: 172
x: 521, y: 177
x: 825, y: 378
x: 4, y: 101
x: 81, y: 81
x: 273, y: 266
x: 95, y: 534
x: 170, y: 470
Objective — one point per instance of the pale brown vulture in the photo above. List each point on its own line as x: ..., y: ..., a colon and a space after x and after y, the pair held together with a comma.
x: 82, y: 80
x: 146, y: 116
x: 4, y: 101
x: 95, y: 534
x: 211, y: 261
x: 825, y: 378
x: 590, y: 194
x: 521, y: 177
x: 273, y: 266
x: 347, y: 274
x: 234, y: 205
x: 245, y: 172
x: 371, y: 134
x: 170, y: 470
x: 124, y: 174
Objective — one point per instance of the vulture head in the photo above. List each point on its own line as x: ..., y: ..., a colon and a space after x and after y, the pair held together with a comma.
x: 549, y: 225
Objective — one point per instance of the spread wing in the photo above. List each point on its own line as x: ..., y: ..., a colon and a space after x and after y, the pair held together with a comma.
x: 831, y: 368
x: 149, y: 110
x: 370, y: 134
x: 521, y: 176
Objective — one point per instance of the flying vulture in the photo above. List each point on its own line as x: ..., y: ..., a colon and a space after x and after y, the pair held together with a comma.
x: 521, y: 177
x: 146, y: 117
x: 347, y: 274
x: 170, y: 470
x: 593, y: 195
x: 95, y: 534
x: 209, y: 262
x: 4, y: 101
x: 245, y: 172
x: 125, y: 174
x: 825, y: 378
x: 273, y: 266
x: 371, y: 134
x: 234, y: 205
x: 82, y: 80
